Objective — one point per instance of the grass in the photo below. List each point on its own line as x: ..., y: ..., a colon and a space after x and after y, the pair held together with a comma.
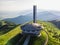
x: 14, y: 40
x: 6, y: 26
x: 40, y: 40
x: 4, y: 29
x: 6, y: 37
x: 52, y: 30
x: 34, y: 40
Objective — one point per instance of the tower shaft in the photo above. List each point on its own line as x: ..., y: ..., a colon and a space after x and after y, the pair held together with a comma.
x: 34, y: 14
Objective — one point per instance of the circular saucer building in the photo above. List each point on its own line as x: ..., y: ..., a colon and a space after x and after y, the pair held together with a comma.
x: 33, y: 28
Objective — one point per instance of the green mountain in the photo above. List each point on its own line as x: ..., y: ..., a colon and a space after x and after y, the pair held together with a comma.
x: 50, y: 35
x: 56, y: 22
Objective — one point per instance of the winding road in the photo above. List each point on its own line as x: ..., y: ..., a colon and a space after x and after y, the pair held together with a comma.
x: 46, y: 41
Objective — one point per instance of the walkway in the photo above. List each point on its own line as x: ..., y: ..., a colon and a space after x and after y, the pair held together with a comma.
x: 27, y: 40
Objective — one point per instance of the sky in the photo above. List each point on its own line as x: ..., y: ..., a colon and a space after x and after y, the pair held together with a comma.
x: 21, y: 5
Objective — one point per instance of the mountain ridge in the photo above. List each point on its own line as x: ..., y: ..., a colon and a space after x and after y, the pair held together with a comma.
x: 44, y: 16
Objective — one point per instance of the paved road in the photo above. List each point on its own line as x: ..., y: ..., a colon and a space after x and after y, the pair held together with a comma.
x: 46, y: 41
x: 27, y: 40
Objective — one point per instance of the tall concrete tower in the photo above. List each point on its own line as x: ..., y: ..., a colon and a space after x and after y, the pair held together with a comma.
x: 34, y: 14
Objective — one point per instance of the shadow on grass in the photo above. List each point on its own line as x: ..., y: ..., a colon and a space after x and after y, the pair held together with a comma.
x: 36, y: 40
x: 14, y: 40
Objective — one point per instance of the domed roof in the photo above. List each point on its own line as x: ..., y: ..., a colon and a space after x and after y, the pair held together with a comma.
x: 33, y: 26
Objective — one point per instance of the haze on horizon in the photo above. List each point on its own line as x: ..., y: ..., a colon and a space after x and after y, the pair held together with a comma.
x: 21, y: 5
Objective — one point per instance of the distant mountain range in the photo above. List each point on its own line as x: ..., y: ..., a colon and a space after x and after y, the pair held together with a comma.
x: 44, y: 16
x: 56, y: 23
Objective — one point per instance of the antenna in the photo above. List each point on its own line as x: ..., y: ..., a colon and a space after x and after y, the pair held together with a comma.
x: 34, y: 14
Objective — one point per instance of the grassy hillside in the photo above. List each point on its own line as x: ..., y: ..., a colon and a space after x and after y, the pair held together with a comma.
x: 38, y: 40
x: 56, y: 22
x: 6, y: 37
x: 6, y: 26
x: 53, y: 34
x: 8, y: 31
